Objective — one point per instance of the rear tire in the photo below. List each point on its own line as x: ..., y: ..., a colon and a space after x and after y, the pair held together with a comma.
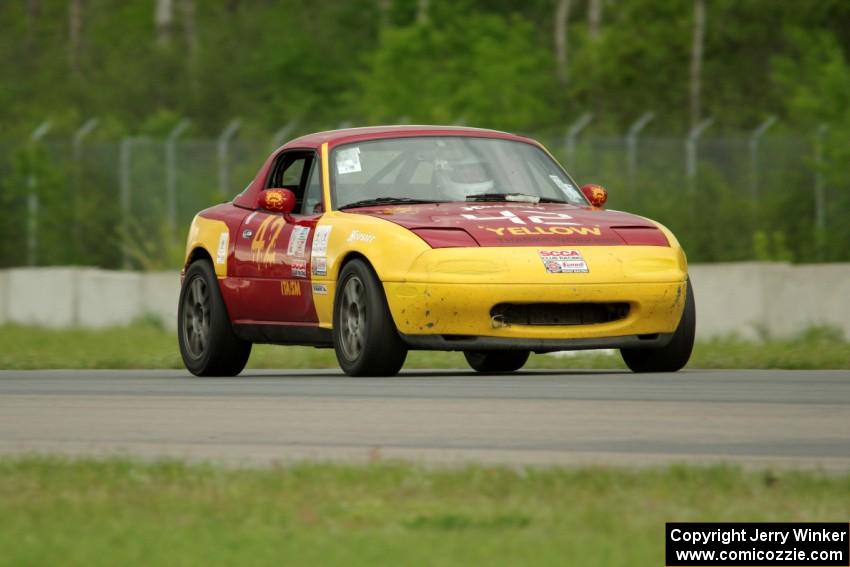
x: 496, y: 360
x: 365, y: 337
x: 207, y: 342
x: 675, y: 355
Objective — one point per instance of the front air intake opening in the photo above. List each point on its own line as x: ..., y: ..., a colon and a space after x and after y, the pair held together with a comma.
x: 558, y: 313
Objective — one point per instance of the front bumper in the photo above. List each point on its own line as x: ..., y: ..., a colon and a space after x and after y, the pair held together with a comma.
x: 448, y: 295
x: 462, y: 311
x: 464, y: 342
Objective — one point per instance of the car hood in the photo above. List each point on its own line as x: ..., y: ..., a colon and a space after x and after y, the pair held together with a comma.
x: 515, y: 224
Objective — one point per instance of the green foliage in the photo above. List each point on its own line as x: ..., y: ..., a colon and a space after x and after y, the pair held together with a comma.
x: 151, y: 248
x: 771, y: 247
x: 486, y: 63
x: 816, y: 77
x: 489, y: 62
x: 446, y: 73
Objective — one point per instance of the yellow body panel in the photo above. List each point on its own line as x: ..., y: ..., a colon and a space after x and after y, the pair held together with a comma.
x: 214, y: 237
x: 388, y: 247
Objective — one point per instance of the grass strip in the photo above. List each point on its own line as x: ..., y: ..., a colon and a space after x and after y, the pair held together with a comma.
x: 122, y: 512
x: 145, y: 345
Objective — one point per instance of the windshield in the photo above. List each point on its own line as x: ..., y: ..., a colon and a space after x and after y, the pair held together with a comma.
x: 451, y: 168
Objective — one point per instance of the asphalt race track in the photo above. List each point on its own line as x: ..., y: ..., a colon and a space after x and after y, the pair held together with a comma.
x: 761, y: 418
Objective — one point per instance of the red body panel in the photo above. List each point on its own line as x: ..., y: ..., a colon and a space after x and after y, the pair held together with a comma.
x: 516, y: 224
x: 271, y: 283
x: 257, y: 291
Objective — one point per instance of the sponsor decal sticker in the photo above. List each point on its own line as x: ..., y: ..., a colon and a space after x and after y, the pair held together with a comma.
x: 299, y: 269
x: 221, y: 254
x: 298, y: 241
x: 320, y: 266
x: 358, y: 236
x: 320, y: 289
x: 348, y: 160
x: 563, y: 261
x: 290, y: 288
x: 320, y: 240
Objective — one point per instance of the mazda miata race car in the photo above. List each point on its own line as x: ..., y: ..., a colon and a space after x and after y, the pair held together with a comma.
x: 375, y: 241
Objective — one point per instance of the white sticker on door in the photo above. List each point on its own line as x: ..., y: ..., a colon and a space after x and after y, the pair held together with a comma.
x: 298, y: 241
x: 320, y: 240
x: 221, y: 253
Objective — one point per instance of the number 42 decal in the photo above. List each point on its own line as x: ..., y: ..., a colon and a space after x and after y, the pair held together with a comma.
x: 262, y: 251
x: 533, y: 217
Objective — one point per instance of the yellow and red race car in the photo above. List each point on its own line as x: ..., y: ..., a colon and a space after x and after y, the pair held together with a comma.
x: 380, y: 240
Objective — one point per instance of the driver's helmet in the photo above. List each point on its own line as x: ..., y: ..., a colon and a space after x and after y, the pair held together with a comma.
x: 457, y: 179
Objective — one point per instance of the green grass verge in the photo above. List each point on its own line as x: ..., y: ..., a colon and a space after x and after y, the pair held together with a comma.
x: 116, y: 512
x: 149, y: 346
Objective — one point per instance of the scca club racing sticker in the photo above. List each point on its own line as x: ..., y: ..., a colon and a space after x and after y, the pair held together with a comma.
x: 299, y: 269
x: 563, y: 261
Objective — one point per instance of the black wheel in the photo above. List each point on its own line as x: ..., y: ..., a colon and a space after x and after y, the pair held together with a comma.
x: 364, y: 334
x: 676, y: 354
x: 496, y: 360
x: 207, y: 342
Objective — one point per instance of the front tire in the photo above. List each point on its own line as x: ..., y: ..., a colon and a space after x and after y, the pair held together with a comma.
x: 497, y: 360
x: 365, y: 337
x: 208, y: 344
x: 675, y: 355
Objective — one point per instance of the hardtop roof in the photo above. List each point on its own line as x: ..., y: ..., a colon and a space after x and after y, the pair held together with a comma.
x: 345, y: 135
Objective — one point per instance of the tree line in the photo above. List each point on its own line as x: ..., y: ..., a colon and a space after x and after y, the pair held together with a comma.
x: 531, y: 65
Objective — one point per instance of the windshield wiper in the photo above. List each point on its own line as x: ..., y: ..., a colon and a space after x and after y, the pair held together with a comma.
x: 512, y: 197
x: 387, y: 201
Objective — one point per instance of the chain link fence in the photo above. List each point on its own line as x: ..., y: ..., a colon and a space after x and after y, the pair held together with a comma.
x: 127, y: 204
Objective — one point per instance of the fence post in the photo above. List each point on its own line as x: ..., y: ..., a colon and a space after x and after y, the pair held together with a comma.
x: 691, y: 152
x: 80, y: 136
x: 77, y: 155
x: 820, y: 193
x: 283, y: 133
x: 755, y: 138
x: 32, y: 198
x: 224, y: 155
x: 572, y: 133
x: 632, y: 147
x: 124, y: 197
x: 171, y: 175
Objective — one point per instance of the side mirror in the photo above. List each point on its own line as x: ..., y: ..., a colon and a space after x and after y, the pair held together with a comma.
x: 278, y: 200
x: 596, y: 194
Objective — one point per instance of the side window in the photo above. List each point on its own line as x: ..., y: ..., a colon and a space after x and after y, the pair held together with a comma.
x: 291, y: 171
x: 313, y: 196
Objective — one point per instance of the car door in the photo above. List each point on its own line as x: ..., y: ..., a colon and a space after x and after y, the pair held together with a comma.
x: 272, y: 251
